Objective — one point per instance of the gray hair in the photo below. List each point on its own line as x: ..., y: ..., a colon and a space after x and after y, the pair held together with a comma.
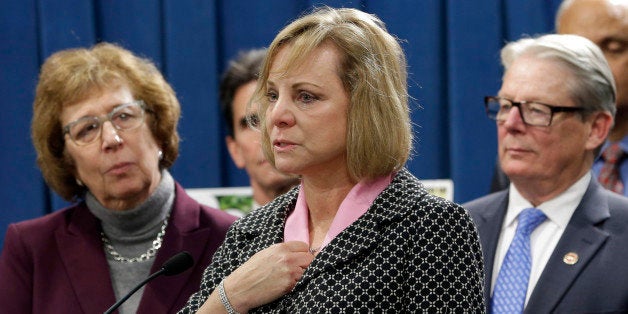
x: 592, y: 85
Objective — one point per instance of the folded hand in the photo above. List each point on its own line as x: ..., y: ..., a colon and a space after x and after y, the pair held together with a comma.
x: 267, y: 275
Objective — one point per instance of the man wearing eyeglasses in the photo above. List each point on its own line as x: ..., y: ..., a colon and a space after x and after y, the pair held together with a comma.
x: 556, y: 240
x: 604, y: 22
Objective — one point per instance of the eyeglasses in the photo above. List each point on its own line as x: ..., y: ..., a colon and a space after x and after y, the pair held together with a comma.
x: 531, y: 112
x: 123, y: 117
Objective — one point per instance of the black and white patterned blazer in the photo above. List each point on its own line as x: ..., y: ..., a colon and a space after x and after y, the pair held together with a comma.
x: 410, y: 252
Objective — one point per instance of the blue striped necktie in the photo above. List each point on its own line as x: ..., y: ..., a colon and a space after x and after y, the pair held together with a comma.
x: 509, y: 294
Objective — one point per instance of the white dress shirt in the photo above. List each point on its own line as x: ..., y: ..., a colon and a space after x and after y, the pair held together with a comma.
x: 544, y: 238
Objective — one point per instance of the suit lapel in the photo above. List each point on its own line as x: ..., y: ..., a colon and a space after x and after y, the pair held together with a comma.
x: 265, y: 226
x: 182, y: 234
x: 489, y: 224
x: 363, y: 235
x: 583, y: 237
x: 81, y: 253
x: 350, y: 243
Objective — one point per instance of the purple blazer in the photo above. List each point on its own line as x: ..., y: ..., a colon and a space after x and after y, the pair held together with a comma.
x: 56, y: 263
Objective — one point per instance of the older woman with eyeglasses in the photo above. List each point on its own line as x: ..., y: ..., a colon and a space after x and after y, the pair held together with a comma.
x: 104, y: 128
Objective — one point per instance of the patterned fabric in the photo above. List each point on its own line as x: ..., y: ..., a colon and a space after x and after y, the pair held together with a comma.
x: 609, y: 175
x: 411, y: 252
x: 512, y: 282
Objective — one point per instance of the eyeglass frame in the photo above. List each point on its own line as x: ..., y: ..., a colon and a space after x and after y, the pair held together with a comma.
x: 553, y: 109
x: 107, y: 117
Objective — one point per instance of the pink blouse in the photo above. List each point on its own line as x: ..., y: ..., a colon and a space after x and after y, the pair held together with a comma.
x: 352, y: 207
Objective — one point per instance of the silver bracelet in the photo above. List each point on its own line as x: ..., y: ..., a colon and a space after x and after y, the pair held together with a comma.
x: 223, y: 298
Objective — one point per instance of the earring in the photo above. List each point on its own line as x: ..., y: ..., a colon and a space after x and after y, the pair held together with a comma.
x: 160, y: 155
x: 79, y: 182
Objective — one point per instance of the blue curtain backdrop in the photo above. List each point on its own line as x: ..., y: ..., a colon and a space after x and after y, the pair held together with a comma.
x: 452, y: 48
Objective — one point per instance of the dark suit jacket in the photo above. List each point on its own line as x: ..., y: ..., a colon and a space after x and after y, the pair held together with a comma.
x: 411, y: 252
x: 56, y: 263
x: 597, y: 233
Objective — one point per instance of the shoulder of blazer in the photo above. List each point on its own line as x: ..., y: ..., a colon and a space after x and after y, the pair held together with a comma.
x: 75, y: 219
x: 271, y: 215
x: 190, y: 215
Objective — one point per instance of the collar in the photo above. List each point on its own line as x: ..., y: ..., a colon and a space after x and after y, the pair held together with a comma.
x: 272, y: 216
x: 141, y: 219
x: 355, y: 204
x: 558, y: 210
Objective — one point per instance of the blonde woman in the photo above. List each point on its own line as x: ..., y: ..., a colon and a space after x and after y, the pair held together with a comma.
x: 360, y: 233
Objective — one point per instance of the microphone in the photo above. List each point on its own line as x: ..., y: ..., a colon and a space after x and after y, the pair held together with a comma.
x: 173, y: 266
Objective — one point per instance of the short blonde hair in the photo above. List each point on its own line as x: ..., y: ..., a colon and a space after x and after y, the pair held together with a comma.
x: 373, y: 71
x: 73, y: 75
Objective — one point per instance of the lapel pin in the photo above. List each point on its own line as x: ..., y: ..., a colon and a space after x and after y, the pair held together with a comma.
x: 570, y: 258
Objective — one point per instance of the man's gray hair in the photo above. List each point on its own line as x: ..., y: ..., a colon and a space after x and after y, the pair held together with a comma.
x: 591, y: 86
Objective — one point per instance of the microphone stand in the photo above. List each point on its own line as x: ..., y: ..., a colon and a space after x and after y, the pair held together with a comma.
x: 128, y: 295
x: 173, y: 266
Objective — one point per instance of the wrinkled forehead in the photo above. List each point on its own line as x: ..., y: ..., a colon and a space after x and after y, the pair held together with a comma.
x: 532, y: 78
x: 96, y: 100
x: 93, y: 89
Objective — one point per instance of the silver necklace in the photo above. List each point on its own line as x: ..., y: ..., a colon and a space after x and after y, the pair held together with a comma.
x: 152, y: 251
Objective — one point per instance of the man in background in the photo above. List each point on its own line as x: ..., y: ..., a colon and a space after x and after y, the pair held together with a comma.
x: 604, y: 22
x: 556, y: 241
x: 236, y: 88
